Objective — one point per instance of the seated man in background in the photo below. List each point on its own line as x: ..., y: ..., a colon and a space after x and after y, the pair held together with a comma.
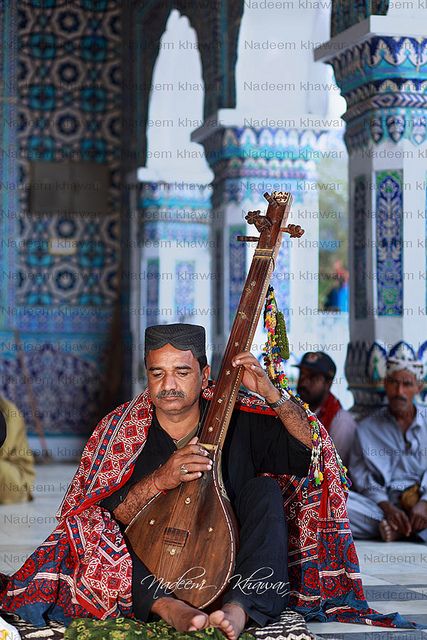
x: 317, y: 372
x: 388, y: 463
x: 16, y: 459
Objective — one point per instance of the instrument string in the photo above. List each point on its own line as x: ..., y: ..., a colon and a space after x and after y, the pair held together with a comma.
x: 165, y: 557
x: 170, y: 561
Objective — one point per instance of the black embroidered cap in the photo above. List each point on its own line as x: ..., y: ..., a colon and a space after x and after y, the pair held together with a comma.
x: 185, y: 337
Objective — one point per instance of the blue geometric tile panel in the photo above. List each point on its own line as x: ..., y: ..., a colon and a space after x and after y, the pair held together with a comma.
x: 389, y: 242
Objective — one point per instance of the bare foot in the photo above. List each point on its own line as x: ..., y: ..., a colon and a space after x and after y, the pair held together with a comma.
x: 387, y: 533
x: 180, y: 615
x: 231, y: 620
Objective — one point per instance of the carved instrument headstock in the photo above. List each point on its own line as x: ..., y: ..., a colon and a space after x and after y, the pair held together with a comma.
x: 277, y: 214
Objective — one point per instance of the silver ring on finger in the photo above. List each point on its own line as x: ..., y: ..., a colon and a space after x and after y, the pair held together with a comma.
x: 183, y: 469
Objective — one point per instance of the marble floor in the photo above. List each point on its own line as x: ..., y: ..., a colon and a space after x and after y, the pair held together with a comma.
x: 394, y: 575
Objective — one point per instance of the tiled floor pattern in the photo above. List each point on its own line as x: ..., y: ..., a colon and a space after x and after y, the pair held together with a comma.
x: 394, y: 574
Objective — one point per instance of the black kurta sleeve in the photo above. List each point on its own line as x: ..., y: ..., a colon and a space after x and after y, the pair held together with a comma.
x: 275, y: 449
x: 256, y: 444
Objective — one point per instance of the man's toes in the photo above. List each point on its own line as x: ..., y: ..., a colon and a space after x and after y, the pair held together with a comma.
x: 198, y: 622
x: 216, y: 618
x: 385, y: 530
x: 220, y: 620
x: 387, y: 533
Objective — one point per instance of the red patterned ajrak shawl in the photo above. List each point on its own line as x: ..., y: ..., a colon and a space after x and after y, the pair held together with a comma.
x: 84, y: 568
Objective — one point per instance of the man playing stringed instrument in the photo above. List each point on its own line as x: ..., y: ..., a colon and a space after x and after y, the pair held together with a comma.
x: 275, y: 443
x: 148, y: 446
x: 87, y: 566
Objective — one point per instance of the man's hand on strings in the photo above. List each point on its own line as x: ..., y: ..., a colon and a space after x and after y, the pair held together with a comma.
x: 184, y: 465
x: 254, y: 377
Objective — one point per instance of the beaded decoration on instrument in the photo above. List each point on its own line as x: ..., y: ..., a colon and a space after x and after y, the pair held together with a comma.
x: 276, y: 350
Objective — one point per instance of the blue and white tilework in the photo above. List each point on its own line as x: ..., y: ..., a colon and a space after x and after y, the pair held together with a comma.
x: 389, y: 243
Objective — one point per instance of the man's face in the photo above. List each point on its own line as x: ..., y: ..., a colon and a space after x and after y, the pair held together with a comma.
x: 401, y: 387
x: 312, y: 387
x: 174, y: 379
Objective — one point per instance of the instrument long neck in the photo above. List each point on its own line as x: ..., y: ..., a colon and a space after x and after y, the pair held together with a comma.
x: 270, y: 226
x: 228, y: 382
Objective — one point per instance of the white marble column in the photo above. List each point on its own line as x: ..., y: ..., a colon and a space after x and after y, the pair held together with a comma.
x: 380, y: 64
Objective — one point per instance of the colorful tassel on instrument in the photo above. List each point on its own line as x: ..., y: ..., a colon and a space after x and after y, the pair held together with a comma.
x: 276, y: 350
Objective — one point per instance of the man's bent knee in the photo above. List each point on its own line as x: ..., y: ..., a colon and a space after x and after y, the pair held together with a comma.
x: 261, y: 491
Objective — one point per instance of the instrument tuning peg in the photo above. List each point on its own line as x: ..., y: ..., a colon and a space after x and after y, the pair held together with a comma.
x: 260, y: 222
x: 251, y: 216
x: 294, y: 230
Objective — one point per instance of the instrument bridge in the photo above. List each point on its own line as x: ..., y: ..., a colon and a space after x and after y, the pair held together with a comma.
x: 175, y: 539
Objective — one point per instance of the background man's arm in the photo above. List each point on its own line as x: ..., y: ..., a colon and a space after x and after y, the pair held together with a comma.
x: 423, y: 486
x: 366, y: 479
x: 367, y: 482
x: 342, y: 430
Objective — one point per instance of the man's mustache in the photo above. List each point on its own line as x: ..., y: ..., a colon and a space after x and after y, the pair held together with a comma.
x: 170, y: 394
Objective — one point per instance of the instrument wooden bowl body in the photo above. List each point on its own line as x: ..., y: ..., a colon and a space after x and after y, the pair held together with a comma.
x: 187, y: 539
